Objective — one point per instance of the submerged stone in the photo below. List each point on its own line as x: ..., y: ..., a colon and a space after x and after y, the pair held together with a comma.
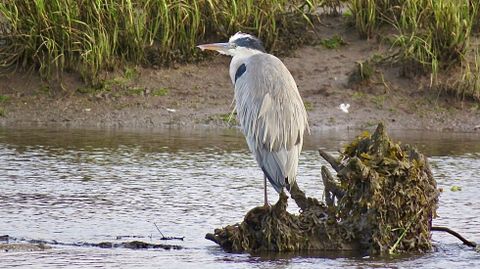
x: 22, y: 247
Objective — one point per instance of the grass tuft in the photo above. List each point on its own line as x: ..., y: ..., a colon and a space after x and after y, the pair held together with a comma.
x: 334, y: 42
x: 160, y: 92
x: 308, y: 105
x: 465, y: 82
x: 434, y: 35
x: 364, y: 16
x: 96, y: 35
x: 431, y: 36
x: 4, y: 98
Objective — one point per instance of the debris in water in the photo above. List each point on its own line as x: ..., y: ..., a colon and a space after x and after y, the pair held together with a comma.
x: 456, y: 188
x: 22, y: 244
x: 382, y: 201
x: 168, y: 237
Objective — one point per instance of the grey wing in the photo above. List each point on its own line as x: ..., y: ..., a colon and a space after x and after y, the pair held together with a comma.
x: 272, y: 116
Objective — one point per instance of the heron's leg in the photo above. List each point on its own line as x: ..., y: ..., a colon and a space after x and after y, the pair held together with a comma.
x: 265, y: 189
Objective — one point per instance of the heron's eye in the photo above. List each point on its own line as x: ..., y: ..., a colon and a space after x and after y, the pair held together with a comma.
x: 233, y: 46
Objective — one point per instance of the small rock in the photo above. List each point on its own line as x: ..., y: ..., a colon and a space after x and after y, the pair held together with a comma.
x: 23, y: 247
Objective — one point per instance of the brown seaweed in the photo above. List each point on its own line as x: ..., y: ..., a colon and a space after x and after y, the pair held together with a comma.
x: 382, y: 201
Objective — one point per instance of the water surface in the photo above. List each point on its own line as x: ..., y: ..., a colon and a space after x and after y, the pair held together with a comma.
x: 92, y: 186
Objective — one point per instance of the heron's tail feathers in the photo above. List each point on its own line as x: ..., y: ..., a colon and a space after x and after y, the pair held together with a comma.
x: 277, y: 185
x: 289, y: 183
x: 280, y: 167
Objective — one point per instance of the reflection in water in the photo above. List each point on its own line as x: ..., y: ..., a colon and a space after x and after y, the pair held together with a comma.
x: 92, y: 186
x: 223, y: 140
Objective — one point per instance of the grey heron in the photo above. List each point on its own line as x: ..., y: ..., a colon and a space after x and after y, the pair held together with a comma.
x: 269, y: 107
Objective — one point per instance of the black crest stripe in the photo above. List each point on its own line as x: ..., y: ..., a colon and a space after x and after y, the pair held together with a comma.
x: 241, y: 69
x: 251, y: 43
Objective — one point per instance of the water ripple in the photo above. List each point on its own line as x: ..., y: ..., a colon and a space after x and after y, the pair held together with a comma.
x: 93, y: 186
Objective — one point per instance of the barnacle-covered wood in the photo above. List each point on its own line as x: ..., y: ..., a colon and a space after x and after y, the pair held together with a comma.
x: 382, y: 201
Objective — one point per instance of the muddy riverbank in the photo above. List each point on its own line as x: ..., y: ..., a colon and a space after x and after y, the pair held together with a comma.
x: 201, y: 94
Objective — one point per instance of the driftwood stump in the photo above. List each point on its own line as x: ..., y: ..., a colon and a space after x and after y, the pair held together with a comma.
x: 382, y: 201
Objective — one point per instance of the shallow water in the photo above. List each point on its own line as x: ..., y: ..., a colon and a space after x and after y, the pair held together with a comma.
x: 92, y: 186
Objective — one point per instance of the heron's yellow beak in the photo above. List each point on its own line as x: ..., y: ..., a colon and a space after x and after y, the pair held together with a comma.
x: 220, y: 47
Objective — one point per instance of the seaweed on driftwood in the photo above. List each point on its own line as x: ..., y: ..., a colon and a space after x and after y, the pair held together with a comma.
x: 382, y: 201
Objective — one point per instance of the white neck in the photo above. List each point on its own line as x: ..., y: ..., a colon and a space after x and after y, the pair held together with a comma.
x: 239, y: 57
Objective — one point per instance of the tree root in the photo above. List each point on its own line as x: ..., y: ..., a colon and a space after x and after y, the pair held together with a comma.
x: 457, y: 235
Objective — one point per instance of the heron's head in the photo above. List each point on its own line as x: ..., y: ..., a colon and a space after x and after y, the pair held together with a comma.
x: 239, y: 44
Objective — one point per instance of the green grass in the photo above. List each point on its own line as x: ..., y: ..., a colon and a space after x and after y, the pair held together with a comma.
x: 379, y: 101
x: 369, y: 15
x: 227, y: 118
x: 434, y: 35
x: 94, y: 89
x: 359, y: 96
x: 332, y: 7
x: 465, y: 83
x: 365, y: 69
x: 469, y: 83
x: 431, y: 36
x: 96, y: 35
x: 431, y: 33
x: 334, y: 42
x: 160, y: 92
x: 130, y: 73
x: 136, y: 90
x: 364, y: 16
x: 308, y: 105
x: 4, y: 98
x: 347, y: 14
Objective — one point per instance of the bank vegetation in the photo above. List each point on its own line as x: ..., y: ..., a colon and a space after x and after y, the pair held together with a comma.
x: 434, y: 38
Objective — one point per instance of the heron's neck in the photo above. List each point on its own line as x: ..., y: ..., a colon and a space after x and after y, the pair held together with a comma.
x: 240, y: 58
